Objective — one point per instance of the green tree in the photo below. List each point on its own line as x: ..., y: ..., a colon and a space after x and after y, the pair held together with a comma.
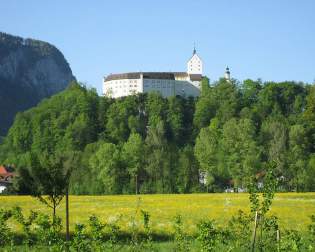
x: 157, y: 161
x: 187, y: 179
x: 47, y: 177
x: 250, y: 90
x: 310, y: 179
x: 297, y: 158
x: 132, y: 156
x: 241, y: 152
x: 106, y: 163
x: 206, y: 106
x: 274, y: 135
x: 120, y: 116
x: 155, y: 108
x: 208, y: 153
x: 227, y: 97
x: 175, y: 120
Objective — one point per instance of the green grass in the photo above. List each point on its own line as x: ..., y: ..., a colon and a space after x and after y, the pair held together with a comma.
x: 292, y: 209
x: 156, y: 246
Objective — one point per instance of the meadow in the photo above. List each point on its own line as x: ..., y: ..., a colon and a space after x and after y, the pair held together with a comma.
x: 292, y: 209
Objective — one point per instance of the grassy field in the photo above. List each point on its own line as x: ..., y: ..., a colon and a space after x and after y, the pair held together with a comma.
x: 293, y: 209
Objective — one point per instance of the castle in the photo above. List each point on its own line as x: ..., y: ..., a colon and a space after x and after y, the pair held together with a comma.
x: 166, y: 83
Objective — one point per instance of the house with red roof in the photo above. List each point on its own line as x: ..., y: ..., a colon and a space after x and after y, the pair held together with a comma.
x: 6, y: 176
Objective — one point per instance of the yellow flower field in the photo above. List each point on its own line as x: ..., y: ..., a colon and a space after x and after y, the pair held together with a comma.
x: 293, y: 209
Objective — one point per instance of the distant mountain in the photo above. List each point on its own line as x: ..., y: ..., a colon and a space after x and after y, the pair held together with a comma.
x: 30, y: 70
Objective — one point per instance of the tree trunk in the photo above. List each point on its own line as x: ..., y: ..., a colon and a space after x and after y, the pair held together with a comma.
x: 136, y: 184
x: 54, y: 210
x: 67, y: 216
x: 278, y: 240
x: 254, y: 233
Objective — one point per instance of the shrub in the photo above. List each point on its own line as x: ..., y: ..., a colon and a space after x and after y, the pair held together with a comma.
x: 292, y: 241
x: 181, y: 243
x: 81, y: 241
x: 147, y: 229
x: 113, y: 230
x: 268, y: 235
x: 208, y: 235
x: 5, y: 232
x: 311, y: 228
x: 48, y: 230
x: 97, y: 229
x: 240, y: 229
x: 26, y: 224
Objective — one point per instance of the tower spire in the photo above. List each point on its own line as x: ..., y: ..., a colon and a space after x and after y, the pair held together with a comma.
x: 194, y: 52
x: 227, y: 74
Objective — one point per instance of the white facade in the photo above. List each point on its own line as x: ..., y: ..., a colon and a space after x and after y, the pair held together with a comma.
x: 122, y: 87
x: 2, y: 188
x: 166, y: 83
x: 194, y: 65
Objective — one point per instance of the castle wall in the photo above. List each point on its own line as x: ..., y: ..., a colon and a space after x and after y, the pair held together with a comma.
x: 125, y: 87
x: 122, y: 87
x: 166, y: 83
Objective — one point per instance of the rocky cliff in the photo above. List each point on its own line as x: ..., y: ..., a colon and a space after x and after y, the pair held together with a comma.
x: 30, y: 70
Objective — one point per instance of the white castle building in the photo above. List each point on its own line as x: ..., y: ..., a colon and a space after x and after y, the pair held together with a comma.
x: 166, y: 83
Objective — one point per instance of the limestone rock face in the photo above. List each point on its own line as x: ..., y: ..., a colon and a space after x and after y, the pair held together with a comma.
x: 30, y: 70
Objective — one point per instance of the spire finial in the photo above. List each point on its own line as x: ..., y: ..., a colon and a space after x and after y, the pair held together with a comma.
x: 194, y: 52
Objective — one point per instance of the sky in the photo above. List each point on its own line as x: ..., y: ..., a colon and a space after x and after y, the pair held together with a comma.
x: 272, y: 39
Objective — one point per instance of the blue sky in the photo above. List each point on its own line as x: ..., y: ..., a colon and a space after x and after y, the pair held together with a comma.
x: 270, y: 39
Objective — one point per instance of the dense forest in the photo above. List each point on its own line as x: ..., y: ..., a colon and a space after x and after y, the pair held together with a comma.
x: 162, y: 145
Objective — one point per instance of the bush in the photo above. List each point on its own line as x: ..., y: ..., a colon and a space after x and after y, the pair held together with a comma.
x: 48, y: 229
x: 311, y: 228
x: 5, y: 231
x: 292, y: 240
x: 240, y: 229
x: 147, y: 229
x: 81, y: 241
x: 181, y: 243
x: 209, y: 236
x: 26, y: 224
x: 97, y: 229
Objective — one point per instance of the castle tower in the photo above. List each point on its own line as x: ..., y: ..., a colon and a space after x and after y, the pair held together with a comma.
x: 194, y: 65
x: 227, y: 74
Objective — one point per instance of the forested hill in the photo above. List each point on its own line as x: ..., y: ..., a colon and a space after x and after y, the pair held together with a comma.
x: 232, y: 131
x: 30, y: 70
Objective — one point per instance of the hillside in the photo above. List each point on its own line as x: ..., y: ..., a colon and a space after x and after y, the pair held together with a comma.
x: 162, y: 145
x: 30, y: 70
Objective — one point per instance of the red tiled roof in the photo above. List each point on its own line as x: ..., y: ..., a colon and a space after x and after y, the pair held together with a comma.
x: 5, y: 175
x: 3, y: 170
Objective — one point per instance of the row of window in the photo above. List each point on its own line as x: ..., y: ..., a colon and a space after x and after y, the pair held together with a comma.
x: 192, y: 69
x: 114, y: 90
x: 123, y: 81
x: 164, y: 85
x: 123, y: 86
